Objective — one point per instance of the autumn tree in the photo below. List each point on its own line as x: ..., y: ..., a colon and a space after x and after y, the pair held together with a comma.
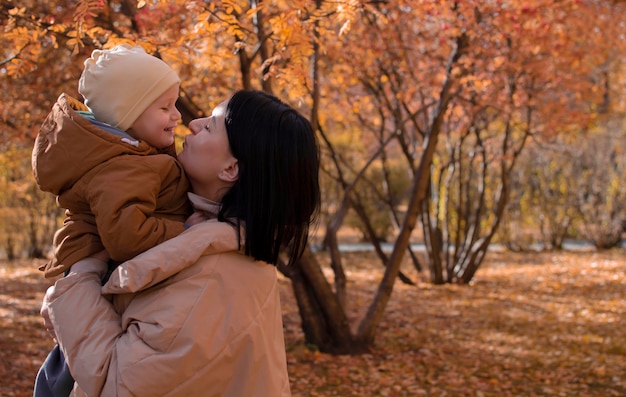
x: 28, y: 216
x: 571, y: 173
x: 545, y: 199
x: 449, y: 92
x: 601, y: 166
x: 507, y: 87
x: 600, y: 195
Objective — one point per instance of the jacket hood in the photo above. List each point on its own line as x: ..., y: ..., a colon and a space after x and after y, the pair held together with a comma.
x: 68, y: 145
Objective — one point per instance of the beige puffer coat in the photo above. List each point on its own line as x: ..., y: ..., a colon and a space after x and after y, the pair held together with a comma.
x: 198, y: 318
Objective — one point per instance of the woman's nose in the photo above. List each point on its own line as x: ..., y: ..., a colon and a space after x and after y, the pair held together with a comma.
x: 195, y: 126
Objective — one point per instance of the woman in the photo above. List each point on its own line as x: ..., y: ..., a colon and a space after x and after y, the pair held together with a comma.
x: 200, y: 315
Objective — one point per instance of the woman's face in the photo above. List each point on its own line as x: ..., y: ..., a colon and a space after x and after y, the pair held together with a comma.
x: 206, y: 155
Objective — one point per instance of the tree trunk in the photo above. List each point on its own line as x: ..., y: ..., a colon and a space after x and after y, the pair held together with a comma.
x: 367, y: 328
x: 323, y: 319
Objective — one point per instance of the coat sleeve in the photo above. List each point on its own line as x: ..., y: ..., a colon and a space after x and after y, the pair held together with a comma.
x: 168, y: 258
x: 123, y: 198
x: 87, y: 329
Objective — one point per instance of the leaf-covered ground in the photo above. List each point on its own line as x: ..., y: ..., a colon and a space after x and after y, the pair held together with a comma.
x: 533, y: 324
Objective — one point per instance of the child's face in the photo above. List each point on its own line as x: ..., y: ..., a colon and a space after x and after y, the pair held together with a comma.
x: 156, y: 124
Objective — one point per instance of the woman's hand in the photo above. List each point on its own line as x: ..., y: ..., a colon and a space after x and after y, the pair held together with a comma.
x: 102, y: 256
x: 195, y: 218
x: 46, y: 315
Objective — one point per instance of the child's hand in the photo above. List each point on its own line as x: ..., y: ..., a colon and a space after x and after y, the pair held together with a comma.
x: 195, y: 218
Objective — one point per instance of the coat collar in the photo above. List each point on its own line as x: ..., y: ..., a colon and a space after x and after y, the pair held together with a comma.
x: 208, y: 207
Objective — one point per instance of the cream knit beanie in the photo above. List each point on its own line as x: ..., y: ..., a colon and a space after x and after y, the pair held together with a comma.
x: 120, y: 83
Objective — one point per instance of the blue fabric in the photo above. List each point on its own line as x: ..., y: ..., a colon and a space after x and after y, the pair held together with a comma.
x: 54, y: 378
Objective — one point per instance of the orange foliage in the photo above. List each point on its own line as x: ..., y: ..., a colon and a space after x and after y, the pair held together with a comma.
x: 562, y: 47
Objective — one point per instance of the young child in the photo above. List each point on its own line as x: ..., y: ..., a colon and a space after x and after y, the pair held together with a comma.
x: 111, y: 162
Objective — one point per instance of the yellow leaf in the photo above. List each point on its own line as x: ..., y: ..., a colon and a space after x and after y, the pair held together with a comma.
x: 17, y: 11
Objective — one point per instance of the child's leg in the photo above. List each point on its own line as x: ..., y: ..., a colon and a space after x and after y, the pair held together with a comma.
x: 54, y: 378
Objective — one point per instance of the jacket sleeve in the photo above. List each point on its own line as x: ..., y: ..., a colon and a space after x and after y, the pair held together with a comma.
x: 123, y: 197
x: 168, y: 258
x: 87, y: 328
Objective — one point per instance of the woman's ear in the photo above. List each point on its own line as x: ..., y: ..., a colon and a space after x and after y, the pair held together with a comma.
x: 231, y: 172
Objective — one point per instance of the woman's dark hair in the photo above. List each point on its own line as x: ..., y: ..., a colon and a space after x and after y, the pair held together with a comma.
x: 277, y: 194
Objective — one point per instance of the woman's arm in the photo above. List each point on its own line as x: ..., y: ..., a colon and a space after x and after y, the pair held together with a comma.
x: 85, y: 323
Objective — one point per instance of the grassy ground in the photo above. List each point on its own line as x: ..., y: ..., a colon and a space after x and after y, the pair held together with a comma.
x: 534, y: 324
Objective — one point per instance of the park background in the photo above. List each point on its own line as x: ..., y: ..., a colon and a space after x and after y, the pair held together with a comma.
x: 477, y: 147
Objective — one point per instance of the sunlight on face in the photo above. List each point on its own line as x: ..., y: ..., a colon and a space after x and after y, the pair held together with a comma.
x: 206, y: 152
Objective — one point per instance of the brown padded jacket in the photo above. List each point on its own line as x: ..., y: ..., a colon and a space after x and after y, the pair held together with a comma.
x: 119, y: 194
